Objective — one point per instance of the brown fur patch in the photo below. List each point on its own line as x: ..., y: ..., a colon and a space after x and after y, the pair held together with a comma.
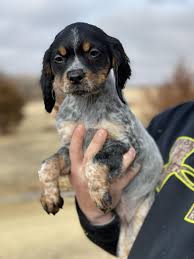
x: 47, y: 69
x: 97, y: 79
x: 59, y: 91
x: 113, y: 61
x: 98, y: 184
x: 62, y: 51
x: 60, y: 86
x: 86, y: 46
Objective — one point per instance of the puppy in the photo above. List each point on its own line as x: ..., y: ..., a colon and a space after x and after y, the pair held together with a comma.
x: 77, y: 75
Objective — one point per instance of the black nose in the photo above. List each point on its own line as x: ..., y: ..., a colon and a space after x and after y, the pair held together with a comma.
x: 75, y: 76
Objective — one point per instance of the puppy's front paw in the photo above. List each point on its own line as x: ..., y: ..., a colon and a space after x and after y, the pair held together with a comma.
x: 51, y: 203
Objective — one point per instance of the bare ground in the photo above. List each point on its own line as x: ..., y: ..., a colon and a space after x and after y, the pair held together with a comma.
x: 27, y: 232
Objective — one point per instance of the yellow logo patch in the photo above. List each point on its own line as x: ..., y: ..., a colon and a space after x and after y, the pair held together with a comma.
x: 177, y: 166
x: 190, y: 215
x: 182, y: 149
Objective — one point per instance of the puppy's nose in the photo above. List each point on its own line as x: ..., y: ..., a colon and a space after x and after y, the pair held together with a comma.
x: 75, y: 76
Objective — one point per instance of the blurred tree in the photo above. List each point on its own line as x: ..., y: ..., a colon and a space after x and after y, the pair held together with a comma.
x: 11, y: 104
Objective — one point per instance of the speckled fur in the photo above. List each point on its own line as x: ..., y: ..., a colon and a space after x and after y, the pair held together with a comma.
x: 49, y: 173
x: 105, y: 109
x: 98, y: 185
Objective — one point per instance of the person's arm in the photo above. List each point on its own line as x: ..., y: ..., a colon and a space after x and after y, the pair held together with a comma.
x: 102, y: 229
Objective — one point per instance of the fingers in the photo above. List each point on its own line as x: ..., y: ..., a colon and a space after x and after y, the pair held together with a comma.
x: 75, y: 149
x: 96, y: 144
x: 128, y: 158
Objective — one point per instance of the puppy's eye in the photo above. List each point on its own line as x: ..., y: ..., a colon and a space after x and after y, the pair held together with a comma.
x: 59, y: 59
x: 94, y: 53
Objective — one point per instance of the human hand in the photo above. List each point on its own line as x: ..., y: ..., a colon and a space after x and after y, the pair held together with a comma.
x: 79, y: 181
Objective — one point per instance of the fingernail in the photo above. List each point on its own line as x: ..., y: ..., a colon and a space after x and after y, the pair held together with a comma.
x: 101, y: 133
x: 132, y: 152
x: 80, y: 127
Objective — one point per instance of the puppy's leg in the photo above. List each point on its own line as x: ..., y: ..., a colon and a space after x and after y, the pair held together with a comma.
x: 105, y: 166
x: 130, y: 230
x: 53, y: 167
x: 98, y: 184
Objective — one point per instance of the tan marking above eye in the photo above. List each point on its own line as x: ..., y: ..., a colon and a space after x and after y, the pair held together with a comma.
x: 62, y: 51
x: 86, y: 46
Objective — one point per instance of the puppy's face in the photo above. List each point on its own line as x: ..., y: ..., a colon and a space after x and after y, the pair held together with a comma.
x: 78, y: 63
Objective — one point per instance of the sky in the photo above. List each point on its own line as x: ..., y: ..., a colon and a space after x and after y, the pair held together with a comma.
x: 156, y: 34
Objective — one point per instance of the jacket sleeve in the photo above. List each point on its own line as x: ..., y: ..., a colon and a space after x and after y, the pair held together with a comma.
x: 105, y: 236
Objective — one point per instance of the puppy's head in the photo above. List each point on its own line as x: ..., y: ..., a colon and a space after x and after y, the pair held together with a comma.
x: 79, y: 61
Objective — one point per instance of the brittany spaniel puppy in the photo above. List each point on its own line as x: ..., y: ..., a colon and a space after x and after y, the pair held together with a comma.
x: 84, y: 72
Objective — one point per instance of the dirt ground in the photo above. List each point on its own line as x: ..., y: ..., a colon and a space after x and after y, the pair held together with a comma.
x: 27, y: 232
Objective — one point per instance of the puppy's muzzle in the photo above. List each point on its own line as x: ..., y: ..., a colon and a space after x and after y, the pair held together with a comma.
x: 76, y: 76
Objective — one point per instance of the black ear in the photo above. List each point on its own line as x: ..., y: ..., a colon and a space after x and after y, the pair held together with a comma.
x: 46, y: 81
x: 120, y: 64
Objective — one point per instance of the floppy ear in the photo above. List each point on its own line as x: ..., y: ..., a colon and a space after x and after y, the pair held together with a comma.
x: 120, y: 64
x: 46, y: 81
